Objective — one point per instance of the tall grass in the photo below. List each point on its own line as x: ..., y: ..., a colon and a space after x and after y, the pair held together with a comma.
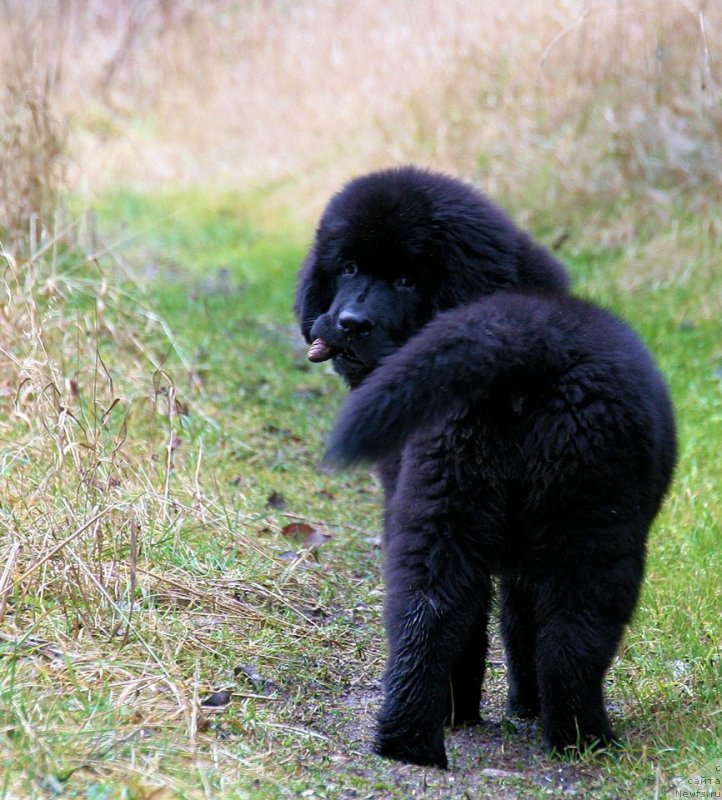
x: 32, y: 138
x: 81, y: 373
x: 104, y: 600
x: 559, y: 101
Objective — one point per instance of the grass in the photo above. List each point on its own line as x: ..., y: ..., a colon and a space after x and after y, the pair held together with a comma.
x: 190, y: 608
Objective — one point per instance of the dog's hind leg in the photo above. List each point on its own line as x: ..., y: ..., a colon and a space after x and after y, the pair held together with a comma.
x: 582, y: 613
x: 467, y: 673
x: 518, y: 627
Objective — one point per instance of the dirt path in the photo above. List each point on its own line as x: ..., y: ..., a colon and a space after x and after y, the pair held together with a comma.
x: 499, y: 758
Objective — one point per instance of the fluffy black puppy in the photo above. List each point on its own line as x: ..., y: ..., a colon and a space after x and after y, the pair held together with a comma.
x: 524, y: 434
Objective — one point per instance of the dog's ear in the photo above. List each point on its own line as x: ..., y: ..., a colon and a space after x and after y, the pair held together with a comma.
x: 313, y: 293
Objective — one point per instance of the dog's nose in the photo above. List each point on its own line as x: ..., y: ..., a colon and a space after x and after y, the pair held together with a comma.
x: 354, y: 322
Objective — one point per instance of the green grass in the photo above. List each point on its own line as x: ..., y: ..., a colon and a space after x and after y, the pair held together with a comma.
x: 177, y: 435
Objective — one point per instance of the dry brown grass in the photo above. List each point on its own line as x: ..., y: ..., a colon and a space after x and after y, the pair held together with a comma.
x: 76, y: 496
x: 557, y: 101
x: 102, y: 496
x: 32, y: 139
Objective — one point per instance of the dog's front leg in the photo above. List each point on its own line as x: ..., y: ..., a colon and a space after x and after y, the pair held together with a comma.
x: 432, y: 605
x: 411, y: 721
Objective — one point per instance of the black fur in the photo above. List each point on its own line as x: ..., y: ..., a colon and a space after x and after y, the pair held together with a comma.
x: 519, y: 432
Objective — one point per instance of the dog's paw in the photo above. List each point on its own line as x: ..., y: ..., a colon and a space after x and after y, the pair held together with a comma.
x: 411, y: 750
x: 574, y: 747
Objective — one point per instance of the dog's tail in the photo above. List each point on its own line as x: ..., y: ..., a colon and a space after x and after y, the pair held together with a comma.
x: 461, y: 357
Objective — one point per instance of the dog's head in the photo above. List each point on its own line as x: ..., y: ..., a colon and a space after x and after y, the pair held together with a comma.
x: 369, y: 281
x: 395, y: 247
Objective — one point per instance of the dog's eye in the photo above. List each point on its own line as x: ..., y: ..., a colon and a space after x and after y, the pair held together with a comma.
x: 404, y: 282
x: 349, y: 268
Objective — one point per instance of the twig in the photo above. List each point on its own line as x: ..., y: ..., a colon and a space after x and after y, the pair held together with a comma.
x: 170, y: 447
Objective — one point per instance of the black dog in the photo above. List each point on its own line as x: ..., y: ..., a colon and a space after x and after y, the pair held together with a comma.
x: 518, y: 431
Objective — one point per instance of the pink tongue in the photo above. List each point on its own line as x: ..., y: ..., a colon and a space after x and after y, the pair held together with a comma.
x: 320, y: 351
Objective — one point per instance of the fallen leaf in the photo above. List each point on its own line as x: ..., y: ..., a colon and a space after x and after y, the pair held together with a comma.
x: 298, y: 529
x: 311, y: 536
x: 216, y: 699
